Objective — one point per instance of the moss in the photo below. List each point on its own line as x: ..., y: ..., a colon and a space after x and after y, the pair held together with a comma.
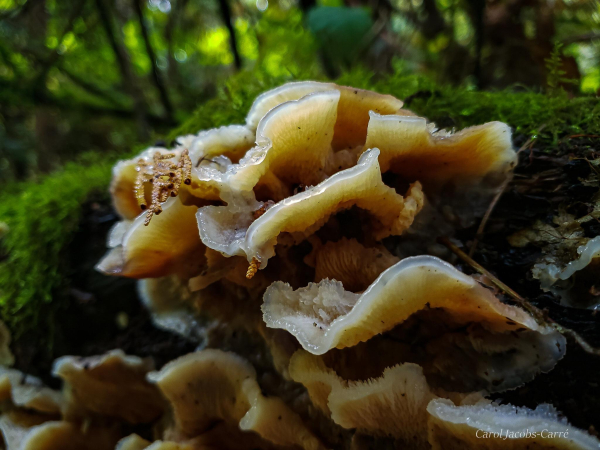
x: 43, y: 218
x: 41, y: 222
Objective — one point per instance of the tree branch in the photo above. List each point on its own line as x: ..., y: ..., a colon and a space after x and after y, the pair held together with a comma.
x: 89, y: 87
x: 178, y: 8
x: 156, y: 76
x: 40, y: 80
x: 226, y: 16
x: 127, y: 76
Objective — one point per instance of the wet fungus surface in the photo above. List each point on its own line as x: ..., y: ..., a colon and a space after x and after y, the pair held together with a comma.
x: 294, y: 250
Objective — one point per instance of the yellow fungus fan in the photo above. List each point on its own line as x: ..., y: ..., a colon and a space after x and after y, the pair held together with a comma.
x: 26, y: 391
x: 392, y: 405
x: 430, y: 291
x: 210, y: 386
x: 62, y: 435
x: 231, y: 141
x: 411, y: 149
x: 305, y: 212
x: 132, y: 442
x: 169, y: 244
x: 350, y: 262
x: 111, y: 385
x: 16, y: 423
x: 489, y: 426
x: 353, y: 109
x: 293, y: 144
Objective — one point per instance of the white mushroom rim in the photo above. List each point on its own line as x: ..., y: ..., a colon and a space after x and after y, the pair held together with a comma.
x: 324, y: 316
x: 509, y: 422
x: 351, y: 186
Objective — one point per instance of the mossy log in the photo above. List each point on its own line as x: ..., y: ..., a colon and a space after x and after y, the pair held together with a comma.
x: 55, y: 303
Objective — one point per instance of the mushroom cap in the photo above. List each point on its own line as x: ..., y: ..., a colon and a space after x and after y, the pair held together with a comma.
x: 169, y: 244
x: 393, y: 404
x: 26, y: 391
x: 353, y: 110
x: 491, y: 426
x: 475, y: 326
x: 212, y: 385
x: 110, y: 385
x: 344, y: 319
x: 306, y: 211
x: 62, y: 435
x: 410, y: 148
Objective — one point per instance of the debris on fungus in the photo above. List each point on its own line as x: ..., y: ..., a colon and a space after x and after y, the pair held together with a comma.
x: 569, y: 265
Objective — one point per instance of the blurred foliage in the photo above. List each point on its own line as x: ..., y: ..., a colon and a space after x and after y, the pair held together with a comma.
x: 101, y: 75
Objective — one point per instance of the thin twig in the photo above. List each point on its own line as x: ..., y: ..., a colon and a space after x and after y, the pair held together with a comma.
x: 488, y: 213
x: 156, y: 75
x: 540, y: 317
x: 127, y: 76
x: 496, y: 198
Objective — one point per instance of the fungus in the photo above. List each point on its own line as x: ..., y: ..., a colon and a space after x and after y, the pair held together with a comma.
x: 569, y: 266
x: 349, y: 262
x: 15, y: 424
x: 68, y: 436
x: 26, y: 391
x: 210, y: 386
x: 314, y: 182
x: 323, y: 316
x: 413, y: 149
x: 490, y: 426
x: 170, y: 245
x: 132, y: 442
x: 393, y: 404
x: 111, y: 385
x: 305, y: 212
x: 352, y: 112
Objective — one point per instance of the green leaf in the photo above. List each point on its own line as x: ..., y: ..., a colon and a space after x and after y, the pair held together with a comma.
x: 340, y: 31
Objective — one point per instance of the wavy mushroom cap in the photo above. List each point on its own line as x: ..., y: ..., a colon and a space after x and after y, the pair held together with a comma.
x: 490, y: 426
x: 28, y: 392
x: 468, y: 323
x: 411, y: 149
x: 110, y: 385
x: 305, y: 212
x: 212, y: 385
x: 393, y: 404
x: 353, y: 109
x: 169, y: 244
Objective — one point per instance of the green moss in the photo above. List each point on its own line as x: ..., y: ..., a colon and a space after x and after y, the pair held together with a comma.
x: 43, y: 218
x: 41, y: 222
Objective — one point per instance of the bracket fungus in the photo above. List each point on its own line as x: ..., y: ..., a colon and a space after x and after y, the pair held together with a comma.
x: 212, y: 386
x: 393, y: 405
x: 489, y: 426
x: 474, y: 326
x: 110, y: 385
x: 314, y: 208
